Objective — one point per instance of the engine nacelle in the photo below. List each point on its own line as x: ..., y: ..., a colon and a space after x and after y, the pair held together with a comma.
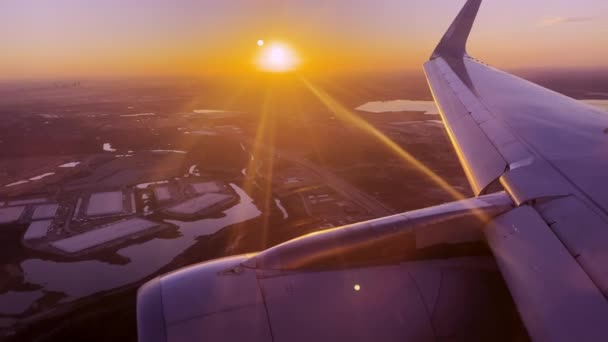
x: 297, y: 292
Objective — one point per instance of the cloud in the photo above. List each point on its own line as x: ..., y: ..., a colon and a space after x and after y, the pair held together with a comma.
x: 553, y: 21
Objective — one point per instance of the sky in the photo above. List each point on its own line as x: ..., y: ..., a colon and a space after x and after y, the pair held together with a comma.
x: 71, y: 38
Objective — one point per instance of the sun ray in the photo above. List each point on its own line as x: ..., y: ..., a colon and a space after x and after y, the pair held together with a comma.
x: 309, y: 129
x: 346, y: 115
x: 256, y: 147
x: 259, y: 171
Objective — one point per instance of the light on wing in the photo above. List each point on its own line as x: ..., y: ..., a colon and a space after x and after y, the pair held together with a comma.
x: 404, y: 277
x: 358, y: 282
x: 548, y: 152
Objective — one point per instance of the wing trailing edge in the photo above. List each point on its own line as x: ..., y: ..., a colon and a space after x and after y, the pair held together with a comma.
x: 453, y: 43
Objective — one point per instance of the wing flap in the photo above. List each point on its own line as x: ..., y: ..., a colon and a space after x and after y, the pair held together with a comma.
x: 583, y: 232
x: 555, y: 297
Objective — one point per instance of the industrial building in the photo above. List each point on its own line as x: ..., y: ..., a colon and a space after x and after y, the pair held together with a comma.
x: 11, y: 214
x: 105, y: 203
x: 45, y: 211
x: 37, y: 230
x: 104, y: 234
x: 200, y: 205
x: 207, y: 187
x: 162, y: 193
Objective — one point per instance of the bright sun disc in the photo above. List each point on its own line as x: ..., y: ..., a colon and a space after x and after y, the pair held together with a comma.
x: 277, y: 57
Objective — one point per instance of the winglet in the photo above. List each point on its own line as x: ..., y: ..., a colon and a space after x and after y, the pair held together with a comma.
x: 453, y: 43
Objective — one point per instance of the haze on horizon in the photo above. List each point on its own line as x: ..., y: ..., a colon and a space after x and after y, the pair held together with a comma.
x: 71, y: 38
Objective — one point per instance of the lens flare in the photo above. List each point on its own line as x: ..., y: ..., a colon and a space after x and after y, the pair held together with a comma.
x: 344, y: 114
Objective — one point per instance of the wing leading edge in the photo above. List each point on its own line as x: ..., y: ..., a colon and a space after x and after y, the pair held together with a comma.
x: 547, y: 151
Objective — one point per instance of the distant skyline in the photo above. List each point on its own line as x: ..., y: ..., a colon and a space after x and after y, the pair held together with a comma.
x: 73, y: 38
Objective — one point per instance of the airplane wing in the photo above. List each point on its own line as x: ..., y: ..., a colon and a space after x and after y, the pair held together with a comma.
x: 534, y: 158
x: 550, y: 153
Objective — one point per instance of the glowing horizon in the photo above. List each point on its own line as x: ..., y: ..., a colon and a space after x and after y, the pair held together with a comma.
x: 121, y: 38
x: 276, y: 57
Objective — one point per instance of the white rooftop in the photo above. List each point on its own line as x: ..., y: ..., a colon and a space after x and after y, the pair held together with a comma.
x: 108, y: 233
x: 45, y: 211
x: 203, y: 188
x: 28, y: 201
x: 199, y: 203
x: 105, y: 203
x: 71, y: 164
x: 108, y: 147
x: 146, y: 185
x: 162, y: 193
x: 37, y: 230
x: 10, y: 214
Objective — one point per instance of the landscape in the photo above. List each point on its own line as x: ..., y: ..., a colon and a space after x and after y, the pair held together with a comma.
x: 108, y: 184
x: 287, y: 170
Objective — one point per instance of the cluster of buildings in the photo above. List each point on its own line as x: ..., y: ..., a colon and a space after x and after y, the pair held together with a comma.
x: 192, y: 200
x: 39, y: 212
x: 89, y: 222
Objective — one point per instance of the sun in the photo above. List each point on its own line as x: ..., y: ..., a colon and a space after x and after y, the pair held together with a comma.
x: 277, y: 57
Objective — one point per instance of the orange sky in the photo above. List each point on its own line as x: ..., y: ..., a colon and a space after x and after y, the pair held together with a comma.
x: 113, y: 38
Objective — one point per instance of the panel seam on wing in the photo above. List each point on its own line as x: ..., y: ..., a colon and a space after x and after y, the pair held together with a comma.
x: 472, y: 112
x: 436, y: 80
